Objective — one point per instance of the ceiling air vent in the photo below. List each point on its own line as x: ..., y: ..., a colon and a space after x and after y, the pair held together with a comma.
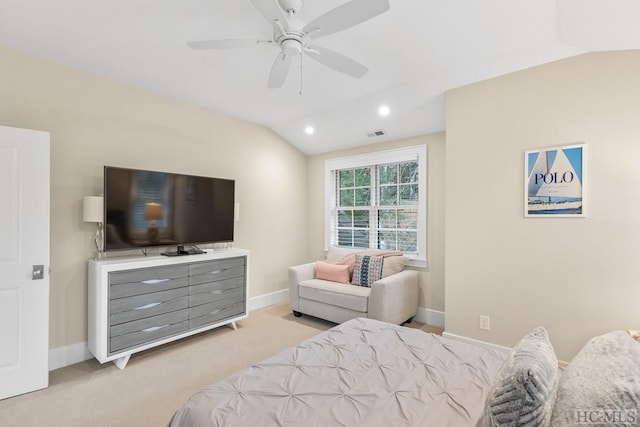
x: 374, y: 133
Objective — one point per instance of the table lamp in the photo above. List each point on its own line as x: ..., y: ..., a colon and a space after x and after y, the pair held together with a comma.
x: 92, y: 211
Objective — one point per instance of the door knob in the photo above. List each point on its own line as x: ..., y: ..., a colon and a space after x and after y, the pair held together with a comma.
x: 38, y: 272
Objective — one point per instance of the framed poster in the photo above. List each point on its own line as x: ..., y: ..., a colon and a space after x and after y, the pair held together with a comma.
x: 555, y: 182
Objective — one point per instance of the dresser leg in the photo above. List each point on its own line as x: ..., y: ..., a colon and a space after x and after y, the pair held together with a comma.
x: 122, y: 362
x: 233, y: 325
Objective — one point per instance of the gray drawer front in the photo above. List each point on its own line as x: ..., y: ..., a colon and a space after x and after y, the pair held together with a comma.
x: 216, y: 275
x: 148, y: 329
x: 152, y: 309
x: 202, y: 304
x: 140, y: 338
x: 215, y: 267
x: 150, y: 285
x: 146, y: 274
x: 140, y: 303
x: 217, y: 316
x: 216, y: 287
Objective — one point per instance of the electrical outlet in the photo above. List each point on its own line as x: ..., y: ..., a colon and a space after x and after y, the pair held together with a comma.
x: 485, y: 323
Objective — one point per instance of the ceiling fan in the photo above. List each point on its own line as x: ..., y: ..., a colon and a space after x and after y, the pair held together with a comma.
x: 294, y: 36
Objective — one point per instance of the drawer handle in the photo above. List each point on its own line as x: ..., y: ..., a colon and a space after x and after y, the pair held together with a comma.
x: 154, y: 281
x: 154, y: 328
x: 143, y: 307
x: 216, y: 271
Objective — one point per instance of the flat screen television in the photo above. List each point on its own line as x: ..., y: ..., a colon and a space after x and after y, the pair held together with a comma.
x: 145, y: 209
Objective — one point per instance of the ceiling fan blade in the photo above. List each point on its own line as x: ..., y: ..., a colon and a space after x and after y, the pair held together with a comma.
x: 272, y: 11
x: 225, y: 43
x: 279, y: 70
x: 345, y: 16
x: 337, y: 61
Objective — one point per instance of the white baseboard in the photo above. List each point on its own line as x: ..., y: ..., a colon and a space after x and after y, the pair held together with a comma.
x: 496, y: 347
x: 75, y: 353
x: 430, y: 317
x: 68, y: 355
x: 268, y: 299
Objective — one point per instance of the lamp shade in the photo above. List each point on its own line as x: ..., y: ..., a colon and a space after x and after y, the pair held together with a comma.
x: 152, y: 211
x: 92, y: 208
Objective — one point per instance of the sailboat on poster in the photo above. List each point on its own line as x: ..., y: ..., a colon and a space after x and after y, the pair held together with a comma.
x: 555, y: 182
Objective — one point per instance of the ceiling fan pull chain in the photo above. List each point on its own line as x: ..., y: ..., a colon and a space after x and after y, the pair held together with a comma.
x: 301, y: 73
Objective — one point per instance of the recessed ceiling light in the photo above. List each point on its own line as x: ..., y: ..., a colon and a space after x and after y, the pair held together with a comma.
x: 309, y: 130
x: 384, y: 110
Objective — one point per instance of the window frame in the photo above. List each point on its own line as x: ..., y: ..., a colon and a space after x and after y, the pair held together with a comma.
x: 415, y: 153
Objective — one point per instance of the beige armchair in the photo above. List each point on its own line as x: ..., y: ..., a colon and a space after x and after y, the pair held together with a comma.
x: 391, y: 299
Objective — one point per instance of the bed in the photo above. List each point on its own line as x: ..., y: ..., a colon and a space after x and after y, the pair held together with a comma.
x: 360, y: 373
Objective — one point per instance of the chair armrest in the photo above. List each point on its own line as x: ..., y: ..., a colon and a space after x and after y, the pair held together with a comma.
x: 394, y: 299
x: 297, y: 274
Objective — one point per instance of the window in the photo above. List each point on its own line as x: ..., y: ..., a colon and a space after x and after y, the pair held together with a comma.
x: 151, y: 187
x: 378, y: 201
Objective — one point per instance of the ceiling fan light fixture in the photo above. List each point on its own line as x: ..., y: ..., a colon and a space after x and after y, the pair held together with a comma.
x: 309, y: 130
x: 291, y: 47
x: 384, y: 110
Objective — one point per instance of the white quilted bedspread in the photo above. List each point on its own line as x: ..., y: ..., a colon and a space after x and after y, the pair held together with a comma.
x: 360, y: 373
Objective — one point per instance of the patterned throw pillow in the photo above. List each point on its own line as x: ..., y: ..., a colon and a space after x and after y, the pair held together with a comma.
x: 524, y: 390
x: 367, y: 270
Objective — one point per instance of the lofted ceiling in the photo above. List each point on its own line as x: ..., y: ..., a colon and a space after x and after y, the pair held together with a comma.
x: 415, y: 52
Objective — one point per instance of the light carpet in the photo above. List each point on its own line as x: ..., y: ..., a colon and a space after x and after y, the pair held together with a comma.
x: 157, y: 382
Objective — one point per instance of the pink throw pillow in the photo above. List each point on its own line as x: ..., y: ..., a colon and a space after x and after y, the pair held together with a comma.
x: 332, y: 272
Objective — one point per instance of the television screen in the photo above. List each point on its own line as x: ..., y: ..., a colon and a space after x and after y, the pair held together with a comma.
x: 147, y: 208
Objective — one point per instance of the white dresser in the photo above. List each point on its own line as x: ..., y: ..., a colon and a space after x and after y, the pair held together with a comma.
x: 136, y: 303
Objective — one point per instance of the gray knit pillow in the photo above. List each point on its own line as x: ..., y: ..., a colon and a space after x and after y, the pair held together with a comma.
x: 602, y: 381
x: 524, y: 389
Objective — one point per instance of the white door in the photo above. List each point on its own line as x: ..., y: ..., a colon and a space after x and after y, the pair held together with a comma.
x: 24, y: 258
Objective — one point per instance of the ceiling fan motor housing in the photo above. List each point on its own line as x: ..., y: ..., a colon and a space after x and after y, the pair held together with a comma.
x: 293, y: 40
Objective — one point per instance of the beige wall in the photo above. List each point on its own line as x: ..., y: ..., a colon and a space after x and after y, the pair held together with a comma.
x: 95, y: 122
x: 576, y: 277
x: 431, y: 278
